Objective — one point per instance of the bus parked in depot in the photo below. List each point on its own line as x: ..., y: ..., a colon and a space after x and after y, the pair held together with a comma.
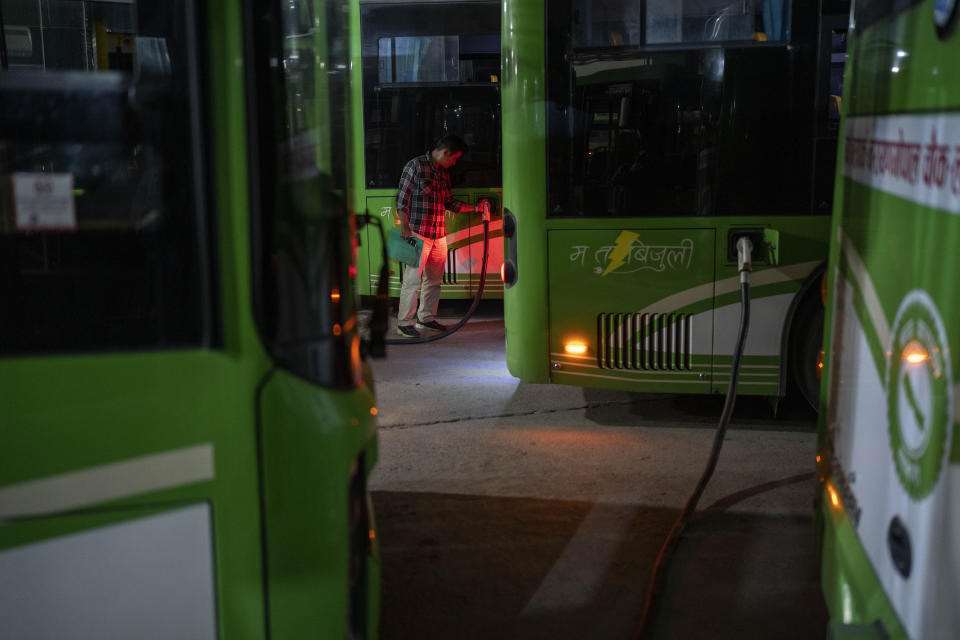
x: 889, y: 439
x: 421, y: 70
x: 185, y: 424
x: 640, y: 138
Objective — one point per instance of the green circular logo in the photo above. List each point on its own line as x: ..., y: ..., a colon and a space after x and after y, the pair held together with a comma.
x: 919, y: 394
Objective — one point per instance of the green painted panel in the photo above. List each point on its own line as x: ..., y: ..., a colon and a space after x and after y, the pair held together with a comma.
x: 121, y: 407
x: 902, y: 66
x: 615, y: 273
x: 850, y: 586
x: 624, y: 270
x: 384, y: 209
x: 308, y: 450
x: 523, y: 104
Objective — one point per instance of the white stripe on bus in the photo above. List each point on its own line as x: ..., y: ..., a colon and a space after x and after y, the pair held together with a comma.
x: 872, y: 154
x: 111, y: 481
x: 797, y: 271
x: 471, y: 232
x: 868, y: 292
x: 626, y: 379
x: 565, y: 357
x: 633, y: 372
x: 747, y: 366
x: 630, y: 374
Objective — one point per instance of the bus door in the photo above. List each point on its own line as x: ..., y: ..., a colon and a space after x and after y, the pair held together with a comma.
x: 633, y: 162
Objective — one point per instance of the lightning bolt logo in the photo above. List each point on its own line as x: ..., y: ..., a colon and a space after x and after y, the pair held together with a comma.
x: 621, y: 251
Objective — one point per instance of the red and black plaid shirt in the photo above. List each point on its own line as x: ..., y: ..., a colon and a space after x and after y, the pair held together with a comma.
x: 425, y: 195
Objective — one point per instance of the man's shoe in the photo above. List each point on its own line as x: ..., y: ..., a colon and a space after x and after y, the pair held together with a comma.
x: 433, y: 324
x: 407, y: 331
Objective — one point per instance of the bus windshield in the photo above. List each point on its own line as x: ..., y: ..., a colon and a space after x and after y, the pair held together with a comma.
x: 700, y: 109
x: 429, y: 70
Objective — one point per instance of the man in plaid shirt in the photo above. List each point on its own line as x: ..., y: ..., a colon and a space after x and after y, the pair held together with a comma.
x: 422, y: 201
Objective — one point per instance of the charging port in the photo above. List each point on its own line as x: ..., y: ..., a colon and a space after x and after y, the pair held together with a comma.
x: 765, y: 245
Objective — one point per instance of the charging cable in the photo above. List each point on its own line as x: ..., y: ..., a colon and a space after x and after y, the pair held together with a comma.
x: 658, y: 576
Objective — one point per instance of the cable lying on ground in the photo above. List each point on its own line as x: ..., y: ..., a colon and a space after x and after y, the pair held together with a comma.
x: 657, y: 581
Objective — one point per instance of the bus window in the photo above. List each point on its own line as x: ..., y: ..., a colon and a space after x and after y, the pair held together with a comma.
x: 829, y: 104
x: 429, y: 70
x: 102, y: 206
x: 838, y: 58
x: 615, y: 23
x: 301, y: 232
x: 419, y: 59
x: 704, y: 111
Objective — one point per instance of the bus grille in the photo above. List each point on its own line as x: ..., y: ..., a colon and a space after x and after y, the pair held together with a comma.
x: 646, y: 341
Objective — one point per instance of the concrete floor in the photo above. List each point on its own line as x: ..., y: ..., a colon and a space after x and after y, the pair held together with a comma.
x: 510, y: 510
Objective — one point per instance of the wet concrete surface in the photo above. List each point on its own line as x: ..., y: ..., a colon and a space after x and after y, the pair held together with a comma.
x: 509, y: 510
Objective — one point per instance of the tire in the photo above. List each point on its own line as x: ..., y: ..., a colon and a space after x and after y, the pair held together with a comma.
x: 806, y: 342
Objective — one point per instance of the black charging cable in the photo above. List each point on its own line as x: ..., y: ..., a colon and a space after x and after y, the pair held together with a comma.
x: 658, y: 576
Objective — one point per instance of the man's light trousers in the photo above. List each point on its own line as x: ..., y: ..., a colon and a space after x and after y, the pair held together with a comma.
x: 428, y: 278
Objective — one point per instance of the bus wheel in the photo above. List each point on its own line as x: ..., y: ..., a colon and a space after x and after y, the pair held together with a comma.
x: 806, y: 342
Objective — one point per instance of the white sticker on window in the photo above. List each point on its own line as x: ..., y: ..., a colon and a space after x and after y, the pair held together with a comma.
x: 44, y: 202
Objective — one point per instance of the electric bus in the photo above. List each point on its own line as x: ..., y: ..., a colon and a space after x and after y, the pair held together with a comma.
x: 421, y: 70
x: 889, y: 445
x: 186, y: 428
x: 641, y: 138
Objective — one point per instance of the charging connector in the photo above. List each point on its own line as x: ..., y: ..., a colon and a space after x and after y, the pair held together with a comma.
x: 744, y: 256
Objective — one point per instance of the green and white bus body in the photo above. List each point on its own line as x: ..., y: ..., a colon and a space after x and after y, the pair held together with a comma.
x: 639, y: 139
x: 889, y: 451
x: 422, y: 70
x: 186, y: 427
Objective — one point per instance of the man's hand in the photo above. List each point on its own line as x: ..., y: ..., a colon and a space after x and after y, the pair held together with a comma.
x: 484, y: 209
x: 404, y: 225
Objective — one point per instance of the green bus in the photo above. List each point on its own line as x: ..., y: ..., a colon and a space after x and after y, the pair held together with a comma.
x: 640, y: 139
x: 889, y: 445
x: 421, y: 70
x: 186, y: 428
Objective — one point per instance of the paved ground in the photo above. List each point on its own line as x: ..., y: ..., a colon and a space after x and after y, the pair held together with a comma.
x: 509, y: 510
